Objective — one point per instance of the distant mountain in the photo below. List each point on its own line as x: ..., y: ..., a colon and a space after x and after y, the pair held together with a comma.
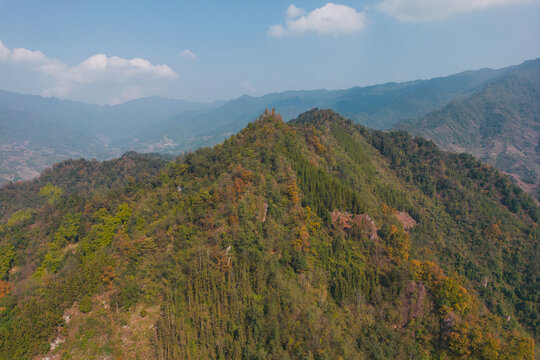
x: 28, y: 144
x: 50, y: 130
x: 377, y: 106
x: 499, y: 124
x: 36, y: 132
x: 115, y: 122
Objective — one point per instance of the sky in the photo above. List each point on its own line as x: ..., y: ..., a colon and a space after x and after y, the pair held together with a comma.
x: 109, y: 52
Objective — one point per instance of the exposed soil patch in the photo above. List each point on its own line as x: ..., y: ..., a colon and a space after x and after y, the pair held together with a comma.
x: 406, y: 219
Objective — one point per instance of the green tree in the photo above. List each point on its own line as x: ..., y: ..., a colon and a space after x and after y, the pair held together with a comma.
x: 7, y: 256
x: 51, y: 193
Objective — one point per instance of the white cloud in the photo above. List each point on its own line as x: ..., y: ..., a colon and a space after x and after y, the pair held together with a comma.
x: 121, y: 69
x: 432, y: 10
x: 21, y: 55
x: 4, y: 51
x: 188, y: 54
x: 112, y: 79
x: 329, y: 19
x: 294, y: 12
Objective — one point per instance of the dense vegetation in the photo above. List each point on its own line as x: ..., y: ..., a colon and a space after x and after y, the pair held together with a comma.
x: 317, y: 239
x: 82, y: 178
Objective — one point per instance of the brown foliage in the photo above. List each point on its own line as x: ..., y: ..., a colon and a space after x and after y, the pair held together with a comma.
x: 301, y: 242
x: 108, y: 276
x: 4, y: 288
x: 292, y: 191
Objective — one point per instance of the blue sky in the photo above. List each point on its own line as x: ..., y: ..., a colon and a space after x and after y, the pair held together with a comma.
x: 209, y: 50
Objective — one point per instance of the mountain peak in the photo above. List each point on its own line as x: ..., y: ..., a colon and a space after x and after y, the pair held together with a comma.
x: 317, y: 116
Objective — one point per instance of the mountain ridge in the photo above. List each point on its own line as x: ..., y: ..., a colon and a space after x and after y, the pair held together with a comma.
x: 264, y: 247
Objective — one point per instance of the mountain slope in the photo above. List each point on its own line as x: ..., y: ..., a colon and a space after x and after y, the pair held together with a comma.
x: 499, y: 124
x: 83, y: 178
x: 314, y: 239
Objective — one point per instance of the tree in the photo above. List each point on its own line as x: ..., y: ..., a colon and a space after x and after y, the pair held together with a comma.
x: 7, y: 256
x: 51, y: 193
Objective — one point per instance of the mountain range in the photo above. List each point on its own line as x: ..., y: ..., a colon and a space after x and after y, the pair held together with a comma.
x: 312, y: 239
x: 37, y: 132
x: 499, y: 123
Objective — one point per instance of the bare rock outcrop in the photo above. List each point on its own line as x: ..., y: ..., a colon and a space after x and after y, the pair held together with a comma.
x: 350, y: 222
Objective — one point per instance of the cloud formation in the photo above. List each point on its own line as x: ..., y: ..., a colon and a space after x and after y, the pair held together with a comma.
x: 120, y: 79
x: 188, y: 54
x: 330, y: 19
x: 4, y: 51
x: 432, y: 10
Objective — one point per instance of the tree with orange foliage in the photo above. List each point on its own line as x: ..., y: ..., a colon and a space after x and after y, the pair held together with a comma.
x: 459, y: 342
x: 4, y: 288
x: 239, y: 186
x: 493, y: 232
x: 301, y: 241
x: 292, y: 191
x: 450, y: 295
x: 108, y: 276
x: 397, y: 242
x: 316, y: 142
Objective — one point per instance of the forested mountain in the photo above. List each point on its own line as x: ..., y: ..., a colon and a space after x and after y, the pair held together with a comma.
x: 313, y: 239
x: 49, y: 130
x: 499, y: 124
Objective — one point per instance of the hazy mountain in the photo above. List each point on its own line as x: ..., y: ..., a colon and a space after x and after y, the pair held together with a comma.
x: 377, y: 106
x: 116, y: 122
x: 37, y: 132
x: 28, y: 144
x: 312, y: 239
x: 499, y: 124
x: 170, y: 126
